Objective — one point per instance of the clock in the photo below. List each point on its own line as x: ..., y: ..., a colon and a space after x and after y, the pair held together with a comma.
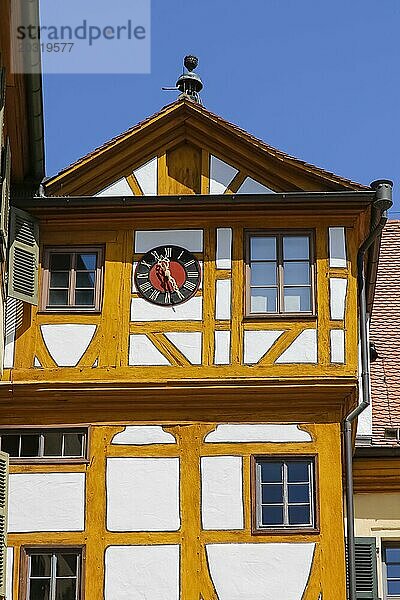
x: 167, y: 275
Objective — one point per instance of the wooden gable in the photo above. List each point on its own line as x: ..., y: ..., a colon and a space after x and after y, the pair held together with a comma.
x: 186, y: 149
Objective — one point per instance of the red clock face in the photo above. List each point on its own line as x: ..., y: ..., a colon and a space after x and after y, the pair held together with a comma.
x: 167, y: 275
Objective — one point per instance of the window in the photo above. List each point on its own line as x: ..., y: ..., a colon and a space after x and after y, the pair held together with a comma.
x: 391, y: 570
x: 280, y: 273
x: 284, y: 493
x: 53, y: 574
x: 72, y: 279
x: 44, y: 444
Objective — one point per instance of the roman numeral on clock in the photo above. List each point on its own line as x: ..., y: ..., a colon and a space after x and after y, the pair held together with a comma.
x: 145, y: 287
x: 189, y: 285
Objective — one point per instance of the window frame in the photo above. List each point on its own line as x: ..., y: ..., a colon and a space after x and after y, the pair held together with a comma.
x: 42, y: 460
x: 280, y: 529
x: 98, y: 288
x: 28, y: 550
x: 279, y: 234
x: 388, y: 544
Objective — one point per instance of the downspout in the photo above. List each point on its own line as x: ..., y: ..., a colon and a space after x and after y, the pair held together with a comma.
x: 381, y: 204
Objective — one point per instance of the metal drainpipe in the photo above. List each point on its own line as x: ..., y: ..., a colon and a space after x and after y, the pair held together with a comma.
x: 382, y: 202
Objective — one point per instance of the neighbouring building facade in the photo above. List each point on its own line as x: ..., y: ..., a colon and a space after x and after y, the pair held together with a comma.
x: 174, y: 398
x: 377, y: 458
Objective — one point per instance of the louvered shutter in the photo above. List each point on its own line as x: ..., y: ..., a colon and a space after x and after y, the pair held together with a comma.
x: 5, y: 196
x: 366, y: 572
x: 24, y: 257
x: 3, y: 520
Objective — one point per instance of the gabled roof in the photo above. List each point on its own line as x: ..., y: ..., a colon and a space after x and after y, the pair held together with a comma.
x: 185, y: 120
x: 385, y: 333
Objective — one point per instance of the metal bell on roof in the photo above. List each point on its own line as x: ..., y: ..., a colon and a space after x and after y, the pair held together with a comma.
x: 189, y: 83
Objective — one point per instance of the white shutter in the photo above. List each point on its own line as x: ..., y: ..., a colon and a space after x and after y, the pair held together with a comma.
x: 24, y: 257
x: 3, y: 520
x: 5, y: 196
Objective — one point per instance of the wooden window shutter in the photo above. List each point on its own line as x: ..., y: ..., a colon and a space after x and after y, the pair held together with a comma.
x: 5, y: 196
x: 3, y: 520
x: 366, y: 571
x: 2, y: 102
x: 24, y: 257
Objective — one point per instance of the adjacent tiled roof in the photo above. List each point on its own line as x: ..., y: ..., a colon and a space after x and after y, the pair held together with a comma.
x: 201, y: 110
x: 385, y: 333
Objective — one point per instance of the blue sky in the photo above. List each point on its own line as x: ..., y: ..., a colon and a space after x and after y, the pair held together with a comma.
x: 317, y: 79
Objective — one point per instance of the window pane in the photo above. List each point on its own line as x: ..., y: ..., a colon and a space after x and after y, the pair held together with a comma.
x: 73, y: 444
x: 297, y: 471
x: 272, y: 494
x: 272, y: 515
x: 65, y: 589
x: 85, y: 279
x: 40, y: 565
x: 84, y: 297
x: 86, y: 262
x: 263, y: 300
x: 58, y: 298
x: 29, y: 445
x: 296, y: 273
x: 299, y: 515
x: 66, y: 565
x: 297, y: 299
x: 60, y: 262
x: 39, y: 589
x: 59, y: 279
x: 298, y: 493
x: 52, y: 443
x: 263, y: 273
x: 263, y: 248
x: 296, y: 247
x: 393, y: 571
x: 394, y: 588
x: 393, y: 555
x: 271, y: 471
x: 10, y: 444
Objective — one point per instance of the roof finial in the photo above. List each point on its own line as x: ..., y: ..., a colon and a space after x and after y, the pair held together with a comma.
x: 189, y: 83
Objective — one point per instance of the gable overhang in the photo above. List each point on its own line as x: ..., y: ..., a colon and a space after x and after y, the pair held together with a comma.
x: 185, y: 121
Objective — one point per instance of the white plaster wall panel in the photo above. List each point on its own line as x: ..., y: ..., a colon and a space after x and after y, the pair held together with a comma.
x: 302, y: 350
x: 67, y: 343
x: 364, y: 422
x: 224, y: 248
x: 190, y: 239
x: 223, y: 299
x: 36, y: 362
x: 189, y: 343
x: 260, y: 571
x: 222, y: 492
x: 10, y: 574
x: 337, y: 247
x: 143, y: 353
x: 257, y: 343
x: 221, y: 174
x: 192, y: 310
x: 251, y: 186
x: 257, y: 433
x: 142, y: 435
x: 337, y: 346
x: 146, y: 176
x: 337, y: 290
x: 143, y: 494
x: 222, y: 347
x: 142, y: 573
x: 46, y: 502
x: 118, y: 188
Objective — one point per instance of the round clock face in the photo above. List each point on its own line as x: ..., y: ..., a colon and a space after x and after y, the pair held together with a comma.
x: 167, y: 275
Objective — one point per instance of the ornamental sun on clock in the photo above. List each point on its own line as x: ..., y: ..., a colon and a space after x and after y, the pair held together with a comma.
x: 167, y: 275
